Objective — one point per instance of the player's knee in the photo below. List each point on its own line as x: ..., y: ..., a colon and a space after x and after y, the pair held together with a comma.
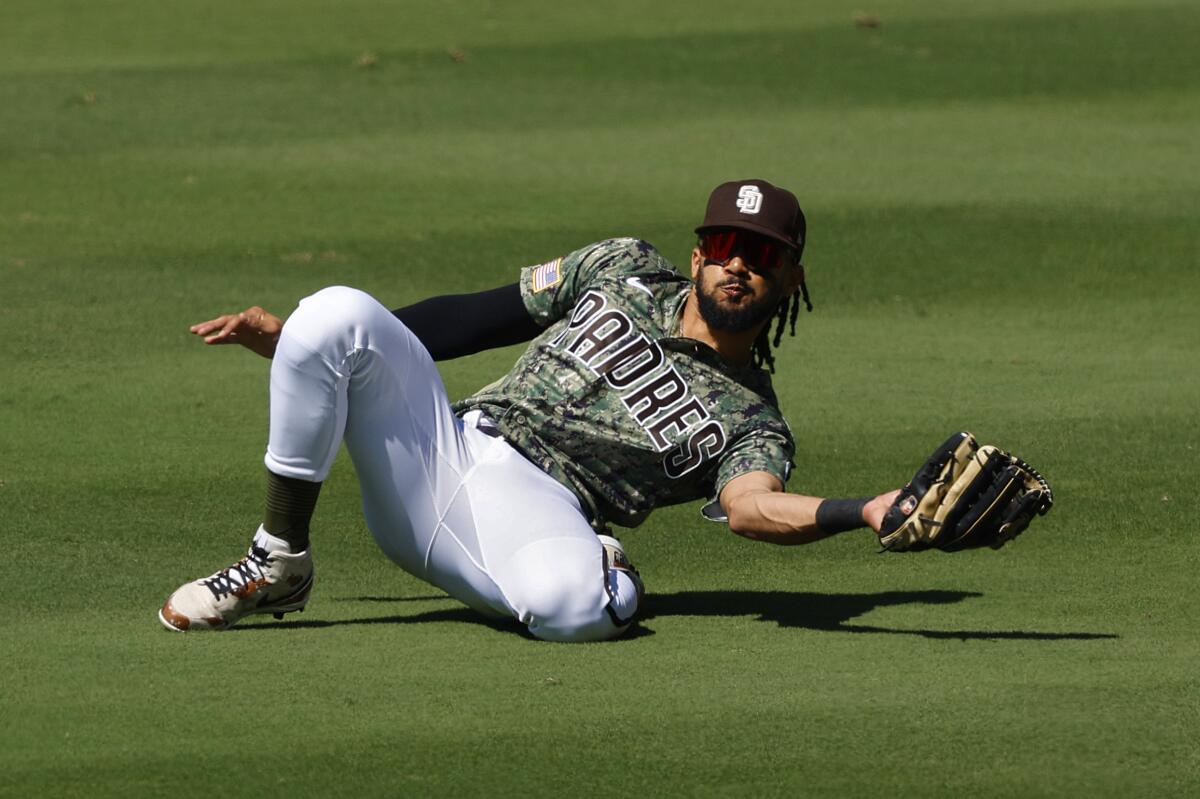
x: 334, y: 315
x: 335, y: 305
x: 562, y: 594
x: 568, y: 605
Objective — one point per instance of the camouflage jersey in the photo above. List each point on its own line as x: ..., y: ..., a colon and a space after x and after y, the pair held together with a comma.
x: 614, y: 404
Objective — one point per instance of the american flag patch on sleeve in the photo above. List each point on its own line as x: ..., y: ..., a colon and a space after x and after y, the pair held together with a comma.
x: 547, y: 275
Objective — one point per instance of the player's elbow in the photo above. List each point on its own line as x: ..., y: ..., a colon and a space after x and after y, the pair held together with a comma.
x: 748, y: 501
x: 742, y: 515
x: 746, y: 521
x: 738, y: 525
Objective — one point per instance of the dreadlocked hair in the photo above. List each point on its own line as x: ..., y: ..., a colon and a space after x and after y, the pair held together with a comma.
x: 785, y: 315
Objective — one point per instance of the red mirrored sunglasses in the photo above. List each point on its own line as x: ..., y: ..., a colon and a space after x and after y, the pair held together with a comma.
x: 755, y: 250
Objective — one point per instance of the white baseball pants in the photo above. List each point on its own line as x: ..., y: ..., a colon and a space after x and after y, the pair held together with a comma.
x: 445, y: 500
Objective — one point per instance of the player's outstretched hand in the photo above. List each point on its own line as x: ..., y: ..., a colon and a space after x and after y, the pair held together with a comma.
x: 253, y: 328
x: 877, y: 508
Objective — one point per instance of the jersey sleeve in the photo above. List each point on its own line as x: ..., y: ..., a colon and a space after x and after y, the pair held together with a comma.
x: 550, y: 290
x: 767, y: 450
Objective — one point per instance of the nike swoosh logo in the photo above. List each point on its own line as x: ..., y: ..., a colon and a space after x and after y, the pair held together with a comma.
x: 637, y: 283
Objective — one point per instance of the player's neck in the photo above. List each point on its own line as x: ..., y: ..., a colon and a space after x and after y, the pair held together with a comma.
x: 736, y: 348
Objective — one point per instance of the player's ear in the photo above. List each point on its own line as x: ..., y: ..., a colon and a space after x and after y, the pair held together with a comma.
x: 697, y: 263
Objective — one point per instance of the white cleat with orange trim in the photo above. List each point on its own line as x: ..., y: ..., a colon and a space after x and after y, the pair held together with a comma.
x: 261, y: 582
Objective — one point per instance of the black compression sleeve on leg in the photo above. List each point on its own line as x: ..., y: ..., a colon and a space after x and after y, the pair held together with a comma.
x: 840, y: 515
x: 289, y: 511
x: 455, y: 325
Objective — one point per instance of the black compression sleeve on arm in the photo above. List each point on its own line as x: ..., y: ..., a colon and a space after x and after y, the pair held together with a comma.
x: 840, y: 515
x: 461, y: 324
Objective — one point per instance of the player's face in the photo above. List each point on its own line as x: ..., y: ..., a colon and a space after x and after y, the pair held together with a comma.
x: 741, y: 278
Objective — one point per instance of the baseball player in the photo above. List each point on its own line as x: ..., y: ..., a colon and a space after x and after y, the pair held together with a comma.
x: 640, y: 388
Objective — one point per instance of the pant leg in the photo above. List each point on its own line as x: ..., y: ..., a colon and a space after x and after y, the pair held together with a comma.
x: 540, y: 550
x: 448, y: 503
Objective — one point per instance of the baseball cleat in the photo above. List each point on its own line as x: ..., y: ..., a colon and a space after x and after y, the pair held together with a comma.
x: 262, y: 582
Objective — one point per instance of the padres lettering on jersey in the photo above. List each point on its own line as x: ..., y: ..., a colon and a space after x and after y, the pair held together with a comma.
x: 614, y: 404
x: 655, y: 394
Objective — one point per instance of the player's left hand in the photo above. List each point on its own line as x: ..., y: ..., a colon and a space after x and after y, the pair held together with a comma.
x: 254, y: 328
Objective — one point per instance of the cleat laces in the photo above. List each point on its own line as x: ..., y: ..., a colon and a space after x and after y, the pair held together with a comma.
x: 242, y: 578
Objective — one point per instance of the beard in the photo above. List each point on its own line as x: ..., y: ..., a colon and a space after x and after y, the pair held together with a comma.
x: 734, y: 318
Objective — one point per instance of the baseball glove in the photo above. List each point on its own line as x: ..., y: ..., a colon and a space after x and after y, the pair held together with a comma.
x: 965, y: 496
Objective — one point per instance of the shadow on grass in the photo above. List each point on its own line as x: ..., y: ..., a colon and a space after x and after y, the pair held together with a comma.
x: 831, y: 612
x: 293, y: 621
x: 457, y: 614
x: 809, y: 611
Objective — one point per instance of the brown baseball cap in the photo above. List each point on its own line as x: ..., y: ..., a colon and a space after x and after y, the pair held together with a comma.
x: 758, y: 206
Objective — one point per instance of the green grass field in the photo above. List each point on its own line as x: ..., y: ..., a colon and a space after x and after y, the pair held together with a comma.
x: 1002, y: 203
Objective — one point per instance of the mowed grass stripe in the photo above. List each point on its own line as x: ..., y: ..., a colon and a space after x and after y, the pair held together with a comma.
x: 50, y: 35
x: 1115, y: 154
x: 533, y: 87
